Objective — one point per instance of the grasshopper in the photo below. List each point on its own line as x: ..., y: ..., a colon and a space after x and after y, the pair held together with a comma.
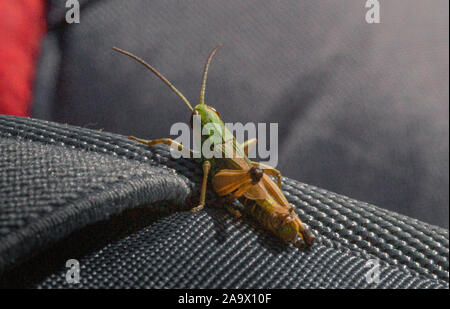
x: 233, y: 174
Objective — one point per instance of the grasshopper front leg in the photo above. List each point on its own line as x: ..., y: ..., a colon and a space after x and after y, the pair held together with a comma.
x: 177, y: 146
x: 206, y: 167
x: 168, y: 141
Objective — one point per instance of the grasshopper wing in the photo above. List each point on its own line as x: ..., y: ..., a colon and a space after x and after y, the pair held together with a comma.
x: 256, y: 192
x: 227, y: 181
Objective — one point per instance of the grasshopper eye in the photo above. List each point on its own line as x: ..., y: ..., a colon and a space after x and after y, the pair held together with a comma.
x: 194, y: 113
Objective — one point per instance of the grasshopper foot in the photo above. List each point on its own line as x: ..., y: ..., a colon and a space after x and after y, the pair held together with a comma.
x: 234, y: 212
x: 299, y: 243
x: 310, y: 239
x: 197, y: 209
x: 305, y: 241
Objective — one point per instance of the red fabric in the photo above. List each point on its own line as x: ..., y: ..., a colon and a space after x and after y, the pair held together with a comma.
x: 22, y: 26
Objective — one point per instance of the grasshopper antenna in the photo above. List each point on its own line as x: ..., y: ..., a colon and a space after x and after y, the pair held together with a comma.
x: 161, y: 77
x: 205, y: 74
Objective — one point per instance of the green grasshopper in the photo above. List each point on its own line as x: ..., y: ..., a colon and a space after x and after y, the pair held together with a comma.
x: 234, y: 175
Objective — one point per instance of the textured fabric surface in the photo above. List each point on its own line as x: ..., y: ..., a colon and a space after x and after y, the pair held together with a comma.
x: 362, y: 108
x: 120, y: 209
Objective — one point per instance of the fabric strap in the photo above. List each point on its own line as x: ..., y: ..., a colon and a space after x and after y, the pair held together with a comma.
x: 121, y: 209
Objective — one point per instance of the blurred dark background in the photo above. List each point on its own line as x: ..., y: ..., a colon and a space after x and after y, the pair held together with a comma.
x: 362, y: 108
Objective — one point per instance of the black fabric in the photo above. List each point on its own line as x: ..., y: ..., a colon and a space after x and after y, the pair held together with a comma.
x: 362, y: 108
x: 120, y: 208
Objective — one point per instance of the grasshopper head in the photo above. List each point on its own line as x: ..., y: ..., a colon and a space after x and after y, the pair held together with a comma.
x: 207, y: 113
